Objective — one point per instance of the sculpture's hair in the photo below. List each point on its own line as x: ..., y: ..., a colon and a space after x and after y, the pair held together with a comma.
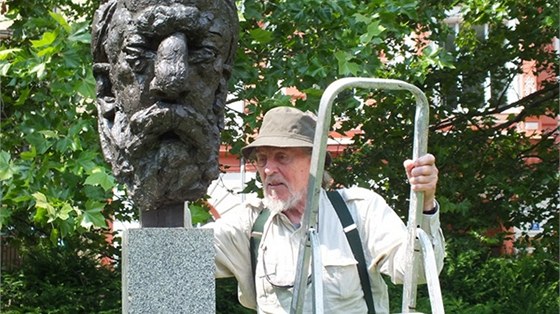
x: 102, y: 19
x: 104, y: 15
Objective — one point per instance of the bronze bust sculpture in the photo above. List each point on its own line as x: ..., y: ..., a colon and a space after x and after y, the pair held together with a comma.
x: 161, y: 68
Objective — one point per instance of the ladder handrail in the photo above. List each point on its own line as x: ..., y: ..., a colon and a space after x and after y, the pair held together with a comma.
x: 316, y: 172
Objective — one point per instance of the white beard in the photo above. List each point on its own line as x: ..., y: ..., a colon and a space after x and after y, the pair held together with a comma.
x: 277, y: 206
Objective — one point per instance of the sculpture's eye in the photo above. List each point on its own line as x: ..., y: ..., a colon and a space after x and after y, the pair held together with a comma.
x: 138, y: 58
x: 202, y: 55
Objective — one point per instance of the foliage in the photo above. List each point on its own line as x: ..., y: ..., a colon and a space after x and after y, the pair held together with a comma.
x: 477, y: 282
x: 53, y: 176
x: 226, y: 298
x: 64, y: 279
x: 57, y: 191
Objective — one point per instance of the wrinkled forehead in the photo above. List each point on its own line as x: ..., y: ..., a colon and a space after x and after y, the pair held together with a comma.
x: 138, y: 5
x: 194, y: 16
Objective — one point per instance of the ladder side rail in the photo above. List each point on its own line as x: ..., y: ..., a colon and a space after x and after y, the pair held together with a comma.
x: 317, y: 270
x: 432, y: 275
x: 420, y: 148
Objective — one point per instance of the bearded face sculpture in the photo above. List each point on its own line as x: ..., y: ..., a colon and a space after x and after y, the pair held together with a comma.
x: 161, y: 68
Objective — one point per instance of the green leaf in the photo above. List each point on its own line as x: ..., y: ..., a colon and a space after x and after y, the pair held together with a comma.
x: 4, y: 54
x: 60, y: 20
x: 40, y: 200
x: 4, y: 68
x: 64, y: 212
x: 344, y: 66
x: 23, y: 96
x: 85, y: 160
x: 22, y: 198
x: 373, y: 30
x: 92, y: 216
x: 39, y: 69
x: 54, y: 236
x: 46, y: 51
x: 39, y: 142
x: 99, y: 177
x: 81, y: 36
x: 198, y: 214
x: 47, y: 39
x: 49, y: 133
x: 40, y: 215
x: 42, y: 203
x: 63, y: 144
x: 362, y: 18
x: 313, y: 92
x: 6, y: 167
x: 86, y: 87
x: 29, y: 154
x: 66, y: 227
x: 260, y: 35
x: 5, y: 213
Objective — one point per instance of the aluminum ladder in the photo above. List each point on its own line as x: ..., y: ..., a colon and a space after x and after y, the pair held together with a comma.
x: 309, y: 252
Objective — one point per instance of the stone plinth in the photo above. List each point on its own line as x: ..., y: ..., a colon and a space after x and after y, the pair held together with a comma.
x: 168, y: 270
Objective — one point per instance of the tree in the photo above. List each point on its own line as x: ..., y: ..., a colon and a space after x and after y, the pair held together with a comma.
x: 55, y: 184
x: 309, y: 45
x: 56, y: 189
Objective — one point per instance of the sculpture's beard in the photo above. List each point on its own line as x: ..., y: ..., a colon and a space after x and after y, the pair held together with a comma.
x: 277, y: 206
x: 165, y: 154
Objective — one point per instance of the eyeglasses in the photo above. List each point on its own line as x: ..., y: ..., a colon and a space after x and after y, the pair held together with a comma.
x: 261, y: 159
x: 279, y: 281
x: 281, y: 156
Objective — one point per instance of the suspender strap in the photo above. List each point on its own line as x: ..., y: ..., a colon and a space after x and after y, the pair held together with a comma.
x: 353, y: 237
x: 256, y: 235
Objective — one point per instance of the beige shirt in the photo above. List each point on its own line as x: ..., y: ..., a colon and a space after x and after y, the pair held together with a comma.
x: 382, y: 232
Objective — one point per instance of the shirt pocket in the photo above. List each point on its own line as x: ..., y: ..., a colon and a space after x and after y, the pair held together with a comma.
x: 341, y: 281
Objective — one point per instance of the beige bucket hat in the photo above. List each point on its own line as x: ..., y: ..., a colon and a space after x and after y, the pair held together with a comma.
x: 285, y: 127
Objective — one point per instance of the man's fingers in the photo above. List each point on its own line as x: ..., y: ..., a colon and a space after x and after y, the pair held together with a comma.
x: 426, y: 160
x: 408, y: 165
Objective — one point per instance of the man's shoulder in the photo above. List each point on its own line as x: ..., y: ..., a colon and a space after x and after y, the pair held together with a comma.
x: 356, y: 193
x: 243, y: 214
x: 364, y: 204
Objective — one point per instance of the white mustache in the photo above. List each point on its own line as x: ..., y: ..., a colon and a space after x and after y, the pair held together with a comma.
x: 274, y: 180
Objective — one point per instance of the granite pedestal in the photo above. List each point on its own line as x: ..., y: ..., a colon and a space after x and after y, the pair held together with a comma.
x: 168, y: 270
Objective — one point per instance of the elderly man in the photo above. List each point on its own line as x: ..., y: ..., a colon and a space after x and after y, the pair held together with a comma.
x: 282, y: 154
x: 161, y: 68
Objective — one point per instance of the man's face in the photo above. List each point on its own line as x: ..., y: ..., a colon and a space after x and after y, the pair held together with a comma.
x: 284, y: 173
x: 168, y: 77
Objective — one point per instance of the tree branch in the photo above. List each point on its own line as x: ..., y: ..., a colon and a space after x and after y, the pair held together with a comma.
x: 528, y: 103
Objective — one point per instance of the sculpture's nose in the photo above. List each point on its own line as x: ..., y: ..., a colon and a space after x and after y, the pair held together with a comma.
x: 171, y: 68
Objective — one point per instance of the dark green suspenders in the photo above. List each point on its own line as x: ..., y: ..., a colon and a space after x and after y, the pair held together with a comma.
x: 352, y: 236
x: 256, y: 235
